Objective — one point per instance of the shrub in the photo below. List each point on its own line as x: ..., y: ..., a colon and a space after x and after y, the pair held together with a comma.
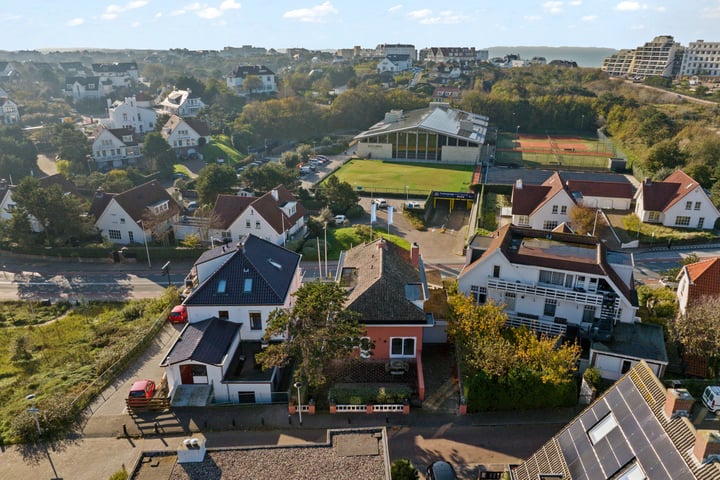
x: 55, y: 417
x: 356, y: 211
x: 119, y: 475
x: 403, y: 469
x: 362, y: 395
x: 593, y: 377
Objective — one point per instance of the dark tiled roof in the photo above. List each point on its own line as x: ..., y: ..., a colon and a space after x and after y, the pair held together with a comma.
x: 118, y: 67
x: 207, y: 342
x: 376, y: 278
x: 590, y: 188
x: 704, y: 279
x: 241, y: 71
x: 59, y: 179
x: 659, y: 196
x: 85, y: 81
x: 662, y: 446
x: 119, y: 133
x: 136, y: 200
x: 269, y: 267
x: 200, y: 126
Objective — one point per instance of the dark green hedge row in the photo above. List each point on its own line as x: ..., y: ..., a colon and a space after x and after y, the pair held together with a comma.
x: 363, y: 395
x: 519, y: 391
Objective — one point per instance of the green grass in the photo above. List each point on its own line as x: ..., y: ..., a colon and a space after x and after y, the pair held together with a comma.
x: 340, y: 239
x: 627, y: 226
x: 220, y: 146
x: 377, y: 175
x: 64, y: 355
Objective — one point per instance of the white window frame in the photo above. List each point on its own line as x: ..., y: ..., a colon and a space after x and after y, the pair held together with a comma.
x: 403, y: 354
x: 602, y: 428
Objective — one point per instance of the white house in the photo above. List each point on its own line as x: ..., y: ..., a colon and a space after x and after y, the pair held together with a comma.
x: 542, y: 207
x: 394, y: 63
x: 266, y: 77
x: 117, y: 74
x: 115, y: 148
x: 81, y: 88
x: 277, y: 217
x: 128, y: 114
x: 678, y: 201
x: 9, y: 114
x: 181, y: 103
x: 696, y: 281
x: 135, y: 215
x: 185, y: 135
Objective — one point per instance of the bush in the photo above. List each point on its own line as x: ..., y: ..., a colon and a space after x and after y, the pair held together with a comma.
x: 403, y: 469
x: 119, y: 475
x: 356, y: 211
x: 55, y: 416
x: 370, y: 394
x: 593, y: 377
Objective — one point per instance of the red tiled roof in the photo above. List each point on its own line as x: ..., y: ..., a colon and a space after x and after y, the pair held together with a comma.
x: 659, y: 196
x: 227, y: 209
x: 136, y: 200
x: 591, y: 188
x: 704, y: 278
x: 526, y: 200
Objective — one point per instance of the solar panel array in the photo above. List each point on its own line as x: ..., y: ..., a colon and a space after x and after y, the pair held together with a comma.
x: 637, y: 438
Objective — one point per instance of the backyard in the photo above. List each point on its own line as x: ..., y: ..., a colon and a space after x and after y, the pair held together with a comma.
x: 629, y: 228
x: 400, y: 178
x: 339, y: 239
x: 545, y: 150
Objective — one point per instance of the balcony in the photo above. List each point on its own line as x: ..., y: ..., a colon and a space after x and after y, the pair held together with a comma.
x: 582, y: 298
x: 550, y: 329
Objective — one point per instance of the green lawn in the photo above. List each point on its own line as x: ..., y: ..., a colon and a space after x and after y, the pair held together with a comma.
x: 220, y: 146
x: 344, y: 238
x: 376, y: 175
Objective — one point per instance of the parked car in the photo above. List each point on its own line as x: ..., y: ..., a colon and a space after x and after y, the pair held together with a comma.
x: 440, y: 470
x: 340, y: 219
x: 412, y: 205
x: 668, y: 282
x: 711, y: 398
x: 142, y: 389
x: 381, y: 203
x: 178, y: 314
x: 304, y: 170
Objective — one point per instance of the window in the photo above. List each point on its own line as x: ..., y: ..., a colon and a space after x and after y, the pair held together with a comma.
x: 550, y: 307
x: 563, y: 210
x: 625, y: 366
x: 510, y: 301
x: 523, y: 220
x: 653, y: 216
x: 199, y: 370
x: 122, y: 221
x: 549, y: 224
x: 247, y: 285
x: 402, y: 347
x: 114, y: 234
x: 496, y: 271
x: 602, y: 428
x: 682, y: 221
x: 257, y: 224
x: 131, y: 237
x: 554, y: 209
x: 553, y: 278
x: 226, y: 235
x: 701, y: 222
x: 255, y: 321
x: 224, y: 315
x: 248, y: 224
x: 697, y: 205
x: 588, y: 313
x: 222, y: 285
x: 632, y: 473
x: 688, y: 205
x: 479, y: 293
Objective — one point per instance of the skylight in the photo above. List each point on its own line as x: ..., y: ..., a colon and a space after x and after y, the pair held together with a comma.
x: 247, y: 285
x: 602, y: 428
x: 222, y: 284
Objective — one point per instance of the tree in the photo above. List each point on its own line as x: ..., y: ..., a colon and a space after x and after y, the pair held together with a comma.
x: 214, y: 180
x: 71, y: 144
x: 318, y: 330
x: 403, y: 469
x: 252, y: 84
x: 664, y: 154
x: 159, y: 154
x: 268, y: 176
x: 60, y: 217
x: 699, y: 331
x: 338, y: 196
x: 582, y: 219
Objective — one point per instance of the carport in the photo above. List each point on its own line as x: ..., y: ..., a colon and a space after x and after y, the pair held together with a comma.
x: 452, y: 197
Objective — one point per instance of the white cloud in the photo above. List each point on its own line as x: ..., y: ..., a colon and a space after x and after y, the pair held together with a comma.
x: 660, y: 9
x: 75, y: 22
x: 629, y: 6
x: 112, y: 11
x: 553, y: 7
x: 395, y: 9
x: 209, y: 13
x: 575, y: 3
x: 158, y: 15
x: 427, y: 17
x: 533, y: 18
x: 589, y: 18
x: 315, y: 14
x: 230, y: 5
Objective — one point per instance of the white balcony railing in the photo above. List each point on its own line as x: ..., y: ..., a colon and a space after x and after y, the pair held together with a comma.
x: 544, y: 328
x: 583, y: 298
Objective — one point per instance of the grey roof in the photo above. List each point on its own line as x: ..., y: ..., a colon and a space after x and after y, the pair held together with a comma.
x: 638, y: 340
x: 439, y: 119
x: 267, y: 268
x: 508, y: 176
x: 643, y: 435
x: 206, y: 342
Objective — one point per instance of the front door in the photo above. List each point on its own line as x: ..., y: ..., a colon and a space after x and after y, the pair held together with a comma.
x: 186, y: 374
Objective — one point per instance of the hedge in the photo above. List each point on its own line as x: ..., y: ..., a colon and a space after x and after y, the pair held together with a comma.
x: 370, y: 394
x: 520, y: 390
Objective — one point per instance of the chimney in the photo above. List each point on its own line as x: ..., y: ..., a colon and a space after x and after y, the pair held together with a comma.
x: 678, y: 402
x: 275, y: 195
x: 648, y: 181
x: 518, y: 184
x: 707, y: 446
x: 100, y: 192
x: 3, y: 185
x: 382, y: 244
x: 415, y: 254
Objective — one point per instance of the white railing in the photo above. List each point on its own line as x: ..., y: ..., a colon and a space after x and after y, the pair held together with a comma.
x: 387, y: 408
x: 350, y: 408
x: 556, y: 293
x: 545, y: 328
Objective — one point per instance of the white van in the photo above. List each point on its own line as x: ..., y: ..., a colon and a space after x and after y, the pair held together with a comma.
x: 711, y: 398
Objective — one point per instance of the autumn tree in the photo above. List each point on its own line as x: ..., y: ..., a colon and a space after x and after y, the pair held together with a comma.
x: 698, y: 332
x: 214, y: 180
x: 582, y: 219
x: 266, y: 177
x: 339, y: 196
x: 318, y: 330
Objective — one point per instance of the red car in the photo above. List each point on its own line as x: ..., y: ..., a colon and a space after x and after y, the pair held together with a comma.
x: 178, y: 314
x: 142, y: 389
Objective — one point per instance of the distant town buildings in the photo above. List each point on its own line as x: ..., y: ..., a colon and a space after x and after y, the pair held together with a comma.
x: 249, y: 79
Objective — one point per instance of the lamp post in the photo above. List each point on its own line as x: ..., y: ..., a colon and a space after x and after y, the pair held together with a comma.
x: 147, y: 251
x: 406, y: 194
x: 517, y: 131
x: 299, y: 385
x: 582, y: 121
x: 31, y: 398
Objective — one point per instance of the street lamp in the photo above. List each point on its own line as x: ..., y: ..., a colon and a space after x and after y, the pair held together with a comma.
x: 299, y: 385
x: 147, y: 252
x: 31, y: 398
x: 517, y: 131
x: 582, y: 121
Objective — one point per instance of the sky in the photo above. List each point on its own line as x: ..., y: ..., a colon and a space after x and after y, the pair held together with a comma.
x: 332, y: 24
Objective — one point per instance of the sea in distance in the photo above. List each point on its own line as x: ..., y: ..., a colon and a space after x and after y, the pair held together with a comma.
x: 583, y: 56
